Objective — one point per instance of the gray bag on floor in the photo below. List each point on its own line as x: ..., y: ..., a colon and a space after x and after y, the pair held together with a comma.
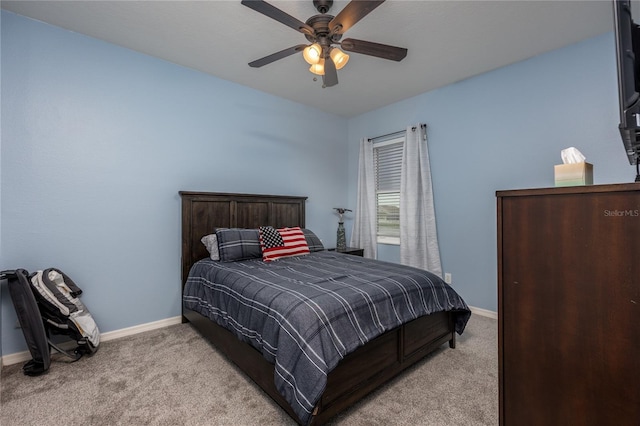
x: 47, y: 302
x: 63, y: 312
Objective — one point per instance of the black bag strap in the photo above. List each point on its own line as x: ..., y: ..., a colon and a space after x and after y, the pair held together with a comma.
x: 30, y: 321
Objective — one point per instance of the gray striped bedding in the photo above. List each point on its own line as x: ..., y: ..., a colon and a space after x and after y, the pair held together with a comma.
x: 306, y: 313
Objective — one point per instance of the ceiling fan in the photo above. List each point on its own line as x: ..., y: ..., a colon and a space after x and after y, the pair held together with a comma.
x: 323, y: 31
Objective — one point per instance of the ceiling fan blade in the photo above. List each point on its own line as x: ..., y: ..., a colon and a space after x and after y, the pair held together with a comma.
x: 273, y: 12
x: 383, y: 51
x: 275, y: 56
x: 351, y: 14
x: 330, y: 77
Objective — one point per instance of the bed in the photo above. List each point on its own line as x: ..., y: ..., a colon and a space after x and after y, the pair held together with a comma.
x: 355, y: 362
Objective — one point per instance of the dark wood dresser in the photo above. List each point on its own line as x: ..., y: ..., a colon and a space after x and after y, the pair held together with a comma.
x: 569, y: 305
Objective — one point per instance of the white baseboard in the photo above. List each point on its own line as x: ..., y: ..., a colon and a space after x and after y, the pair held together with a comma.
x: 130, y: 331
x: 16, y: 358
x: 104, y: 337
x: 484, y: 312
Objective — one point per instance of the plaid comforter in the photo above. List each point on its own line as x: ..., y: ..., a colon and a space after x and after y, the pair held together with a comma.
x: 306, y: 313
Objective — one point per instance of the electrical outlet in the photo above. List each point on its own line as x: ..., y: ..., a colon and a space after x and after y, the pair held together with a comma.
x: 447, y: 277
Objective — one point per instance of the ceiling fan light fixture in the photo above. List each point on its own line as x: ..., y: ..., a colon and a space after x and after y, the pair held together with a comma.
x: 312, y: 54
x: 322, y: 31
x: 339, y: 58
x: 317, y: 69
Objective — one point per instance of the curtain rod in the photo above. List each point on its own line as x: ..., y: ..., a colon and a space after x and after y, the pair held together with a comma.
x: 394, y: 134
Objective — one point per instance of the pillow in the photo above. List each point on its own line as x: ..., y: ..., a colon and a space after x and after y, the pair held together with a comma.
x: 283, y: 242
x: 313, y: 241
x: 238, y: 244
x: 211, y: 243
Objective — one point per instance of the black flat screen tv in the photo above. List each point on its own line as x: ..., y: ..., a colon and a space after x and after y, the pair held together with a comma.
x: 627, y: 36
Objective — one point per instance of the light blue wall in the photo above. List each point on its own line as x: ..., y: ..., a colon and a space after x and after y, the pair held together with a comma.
x: 505, y: 130
x: 97, y: 141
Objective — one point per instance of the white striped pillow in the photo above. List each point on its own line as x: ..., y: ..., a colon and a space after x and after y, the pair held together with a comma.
x: 293, y: 243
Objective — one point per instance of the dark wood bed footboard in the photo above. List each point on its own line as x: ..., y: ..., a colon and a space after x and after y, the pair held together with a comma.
x: 357, y: 375
x: 382, y: 359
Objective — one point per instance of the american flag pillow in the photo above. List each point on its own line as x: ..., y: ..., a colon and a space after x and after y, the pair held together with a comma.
x: 283, y: 242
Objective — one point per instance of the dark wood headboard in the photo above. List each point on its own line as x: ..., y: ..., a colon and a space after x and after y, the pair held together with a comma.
x: 203, y: 212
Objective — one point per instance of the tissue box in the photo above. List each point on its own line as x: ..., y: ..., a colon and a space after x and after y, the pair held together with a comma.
x: 573, y: 174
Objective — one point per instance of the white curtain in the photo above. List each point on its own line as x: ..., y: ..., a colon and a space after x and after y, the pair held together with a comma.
x: 364, y: 224
x: 418, y: 237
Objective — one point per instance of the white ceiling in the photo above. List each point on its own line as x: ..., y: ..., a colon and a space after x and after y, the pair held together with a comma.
x: 448, y: 41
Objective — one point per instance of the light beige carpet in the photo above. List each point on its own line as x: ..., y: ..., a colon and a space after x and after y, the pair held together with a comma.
x: 172, y: 376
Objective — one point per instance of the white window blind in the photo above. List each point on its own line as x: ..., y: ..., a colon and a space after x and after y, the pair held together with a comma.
x: 387, y: 157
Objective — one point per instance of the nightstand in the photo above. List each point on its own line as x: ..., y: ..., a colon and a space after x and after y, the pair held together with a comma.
x: 350, y: 250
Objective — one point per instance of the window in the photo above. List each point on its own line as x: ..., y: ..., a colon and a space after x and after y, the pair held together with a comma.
x: 387, y: 159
